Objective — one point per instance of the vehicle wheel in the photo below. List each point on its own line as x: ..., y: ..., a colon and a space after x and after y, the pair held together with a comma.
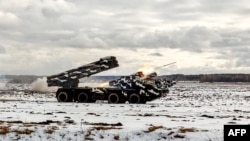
x: 134, y: 98
x: 62, y: 97
x: 82, y: 97
x: 113, y: 98
x: 158, y: 84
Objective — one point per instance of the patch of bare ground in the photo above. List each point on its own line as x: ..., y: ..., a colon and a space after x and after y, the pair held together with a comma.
x: 15, y: 122
x: 50, y: 129
x: 179, y: 136
x: 1, y: 122
x: 60, y: 112
x: 4, y: 130
x: 247, y: 97
x: 104, y: 124
x: 28, y: 127
x: 153, y: 128
x: 26, y: 131
x: 207, y: 116
x: 105, y: 127
x: 88, y: 134
x: 69, y: 121
x: 116, y: 137
x: 93, y: 114
x: 172, y: 132
x: 185, y: 130
x: 47, y: 122
x: 154, y: 115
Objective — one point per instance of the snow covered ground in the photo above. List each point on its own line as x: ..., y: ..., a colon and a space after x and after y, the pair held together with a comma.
x: 191, y: 112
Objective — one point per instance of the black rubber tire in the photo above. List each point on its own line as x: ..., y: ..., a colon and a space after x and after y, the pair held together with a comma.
x: 158, y: 84
x: 113, y: 98
x: 62, y: 97
x: 82, y: 97
x: 134, y: 98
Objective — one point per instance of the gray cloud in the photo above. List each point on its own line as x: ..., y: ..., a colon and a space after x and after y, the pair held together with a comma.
x: 2, y: 50
x: 97, y: 24
x: 189, y: 26
x: 50, y: 13
x: 243, y: 62
x: 156, y: 54
x: 233, y: 38
x: 227, y: 6
x: 237, y: 56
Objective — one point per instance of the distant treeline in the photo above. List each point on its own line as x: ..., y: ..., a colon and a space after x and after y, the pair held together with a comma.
x: 211, y: 77
x: 174, y: 77
x: 21, y: 78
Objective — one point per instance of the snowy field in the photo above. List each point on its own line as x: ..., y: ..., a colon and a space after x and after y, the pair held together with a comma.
x: 191, y: 112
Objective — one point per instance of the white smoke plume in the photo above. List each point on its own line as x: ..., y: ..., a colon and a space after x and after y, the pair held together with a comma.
x: 40, y: 85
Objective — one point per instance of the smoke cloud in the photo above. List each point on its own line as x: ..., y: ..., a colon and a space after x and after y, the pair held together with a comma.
x: 40, y: 85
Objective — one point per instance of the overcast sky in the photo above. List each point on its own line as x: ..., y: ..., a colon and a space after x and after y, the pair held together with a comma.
x: 44, y: 37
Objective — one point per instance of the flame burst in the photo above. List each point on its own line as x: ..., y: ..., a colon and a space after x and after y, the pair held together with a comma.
x: 104, y: 84
x: 146, y: 69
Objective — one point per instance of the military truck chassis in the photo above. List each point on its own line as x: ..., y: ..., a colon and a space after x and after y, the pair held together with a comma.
x: 112, y: 95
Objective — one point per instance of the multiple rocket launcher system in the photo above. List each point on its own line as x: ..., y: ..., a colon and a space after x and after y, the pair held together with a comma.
x: 135, y: 88
x: 70, y: 78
